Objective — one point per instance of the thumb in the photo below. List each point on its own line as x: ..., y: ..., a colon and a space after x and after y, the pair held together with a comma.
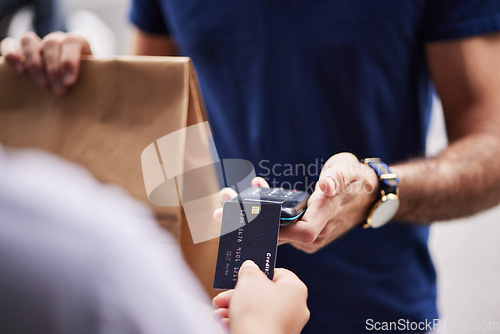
x: 338, y: 172
x: 332, y: 183
x: 259, y: 182
x: 249, y: 270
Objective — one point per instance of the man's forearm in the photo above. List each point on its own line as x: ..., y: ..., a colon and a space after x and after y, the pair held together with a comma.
x: 146, y: 44
x: 463, y: 180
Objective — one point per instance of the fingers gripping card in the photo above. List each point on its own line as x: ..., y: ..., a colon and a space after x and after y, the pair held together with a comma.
x: 249, y: 232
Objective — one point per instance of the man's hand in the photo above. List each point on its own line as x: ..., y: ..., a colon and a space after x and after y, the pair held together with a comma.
x: 258, y: 305
x: 52, y: 61
x: 343, y: 197
x: 227, y: 194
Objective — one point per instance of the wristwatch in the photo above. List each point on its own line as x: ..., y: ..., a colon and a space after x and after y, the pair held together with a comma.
x: 387, y: 205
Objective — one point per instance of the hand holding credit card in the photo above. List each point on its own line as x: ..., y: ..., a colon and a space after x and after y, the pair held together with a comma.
x: 250, y: 229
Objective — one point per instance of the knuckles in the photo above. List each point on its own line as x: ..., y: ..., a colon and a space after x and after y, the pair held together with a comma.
x: 307, y: 315
x: 50, y: 43
x: 294, y: 283
x: 53, y: 40
x: 28, y: 38
x: 348, y: 157
x: 302, y: 294
x: 72, y: 39
x: 309, y: 249
x: 46, y: 59
x: 55, y: 36
x: 302, y: 289
x: 309, y: 236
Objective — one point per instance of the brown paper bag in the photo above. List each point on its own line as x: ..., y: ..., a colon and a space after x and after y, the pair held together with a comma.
x: 116, y: 109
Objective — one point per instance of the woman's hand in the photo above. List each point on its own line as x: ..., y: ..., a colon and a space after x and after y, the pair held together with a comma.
x: 53, y: 61
x: 344, y: 194
x: 259, y: 305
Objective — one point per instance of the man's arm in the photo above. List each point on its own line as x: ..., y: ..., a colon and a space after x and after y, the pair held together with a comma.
x: 465, y: 178
x: 146, y: 44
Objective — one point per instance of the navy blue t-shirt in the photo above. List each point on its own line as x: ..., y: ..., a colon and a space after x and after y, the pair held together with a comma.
x: 289, y: 83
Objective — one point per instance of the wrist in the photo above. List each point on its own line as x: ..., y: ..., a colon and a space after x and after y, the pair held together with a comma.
x: 399, y: 171
x: 386, y: 206
x: 371, y: 190
x: 372, y: 184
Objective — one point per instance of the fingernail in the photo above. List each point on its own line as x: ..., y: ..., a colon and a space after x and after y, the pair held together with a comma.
x: 19, y: 68
x: 59, y: 89
x: 41, y: 79
x: 327, y: 184
x: 68, y: 78
x: 249, y: 263
x: 333, y: 185
x: 213, y: 301
x: 322, y: 187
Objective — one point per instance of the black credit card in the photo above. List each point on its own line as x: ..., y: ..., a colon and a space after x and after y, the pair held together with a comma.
x: 249, y: 232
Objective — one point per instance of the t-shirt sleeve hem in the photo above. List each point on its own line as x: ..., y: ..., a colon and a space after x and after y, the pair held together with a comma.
x: 138, y: 21
x: 465, y: 29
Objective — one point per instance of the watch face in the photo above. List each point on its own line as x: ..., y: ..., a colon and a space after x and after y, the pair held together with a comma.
x: 384, y: 212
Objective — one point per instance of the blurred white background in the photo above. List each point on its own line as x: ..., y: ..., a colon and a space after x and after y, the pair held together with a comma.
x: 104, y: 22
x: 466, y: 252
